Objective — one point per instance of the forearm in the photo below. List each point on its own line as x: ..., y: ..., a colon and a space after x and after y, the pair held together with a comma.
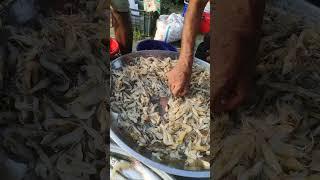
x: 236, y: 32
x: 190, y: 30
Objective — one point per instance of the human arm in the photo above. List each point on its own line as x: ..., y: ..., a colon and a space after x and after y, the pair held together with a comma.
x: 122, y: 25
x: 235, y: 41
x: 179, y: 76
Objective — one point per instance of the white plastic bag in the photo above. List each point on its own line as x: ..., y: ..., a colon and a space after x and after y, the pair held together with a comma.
x: 169, y: 28
x: 207, y: 8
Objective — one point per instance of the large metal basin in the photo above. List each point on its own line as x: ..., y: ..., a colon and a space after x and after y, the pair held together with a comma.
x: 129, y: 145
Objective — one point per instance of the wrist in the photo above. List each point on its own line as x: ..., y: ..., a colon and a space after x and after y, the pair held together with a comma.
x: 186, y: 61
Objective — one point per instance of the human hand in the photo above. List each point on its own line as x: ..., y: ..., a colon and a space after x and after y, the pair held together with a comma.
x: 233, y: 91
x: 179, y: 79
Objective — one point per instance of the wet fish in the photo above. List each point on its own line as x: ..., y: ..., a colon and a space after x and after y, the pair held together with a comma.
x: 123, y: 169
x: 147, y: 104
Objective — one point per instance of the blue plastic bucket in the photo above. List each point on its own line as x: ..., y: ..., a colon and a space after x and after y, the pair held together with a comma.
x: 185, y: 8
x: 155, y: 45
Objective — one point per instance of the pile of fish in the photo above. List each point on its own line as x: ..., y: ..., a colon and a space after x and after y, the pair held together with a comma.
x: 181, y: 131
x: 278, y: 137
x: 53, y: 93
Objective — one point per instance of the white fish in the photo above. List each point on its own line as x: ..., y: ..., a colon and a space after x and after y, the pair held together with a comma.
x: 146, y: 173
x: 122, y: 169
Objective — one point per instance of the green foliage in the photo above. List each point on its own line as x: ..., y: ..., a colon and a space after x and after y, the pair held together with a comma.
x: 137, y: 35
x: 171, y: 6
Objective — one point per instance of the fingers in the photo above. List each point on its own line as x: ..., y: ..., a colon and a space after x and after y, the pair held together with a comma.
x: 172, y: 85
x: 229, y: 102
x: 175, y: 90
x: 184, y: 91
x: 178, y: 90
x: 178, y: 86
x: 220, y: 95
x: 224, y: 105
x: 233, y: 103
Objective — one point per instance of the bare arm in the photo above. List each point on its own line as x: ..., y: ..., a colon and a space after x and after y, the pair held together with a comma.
x: 190, y: 30
x: 179, y: 76
x: 235, y: 41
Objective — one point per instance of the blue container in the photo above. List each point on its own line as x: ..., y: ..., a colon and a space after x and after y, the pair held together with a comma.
x: 155, y: 45
x: 185, y: 8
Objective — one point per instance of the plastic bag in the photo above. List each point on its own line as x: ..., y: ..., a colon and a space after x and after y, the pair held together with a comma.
x: 207, y: 8
x: 169, y: 28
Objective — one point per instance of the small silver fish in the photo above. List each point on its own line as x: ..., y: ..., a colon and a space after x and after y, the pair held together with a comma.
x: 145, y: 172
x: 123, y: 169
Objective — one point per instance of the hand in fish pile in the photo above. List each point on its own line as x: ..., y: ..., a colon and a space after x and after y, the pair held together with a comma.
x: 179, y: 79
x: 232, y: 89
